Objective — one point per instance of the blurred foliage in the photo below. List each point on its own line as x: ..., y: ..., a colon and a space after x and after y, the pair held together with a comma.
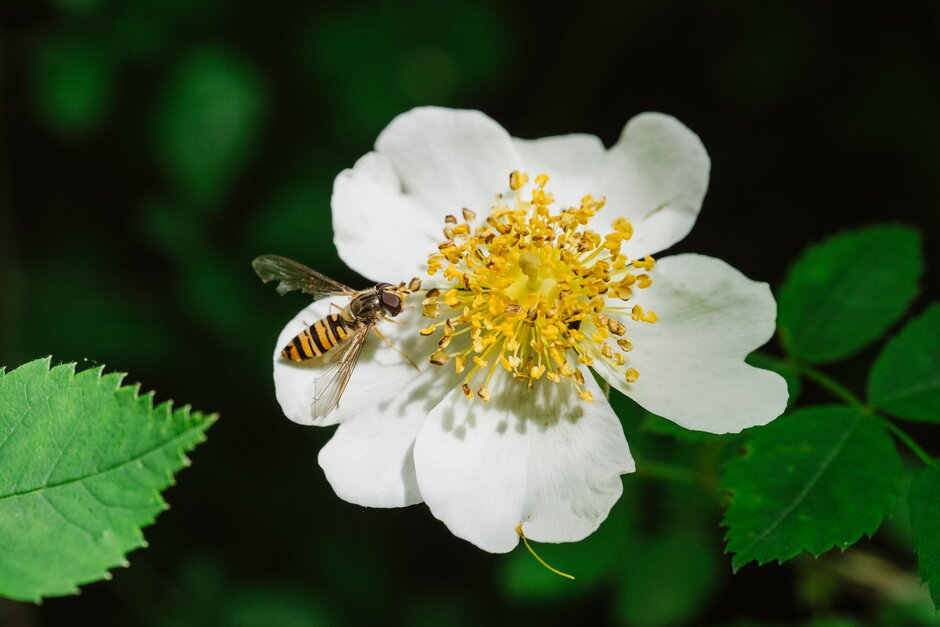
x: 206, y: 123
x: 148, y: 151
x: 73, y: 84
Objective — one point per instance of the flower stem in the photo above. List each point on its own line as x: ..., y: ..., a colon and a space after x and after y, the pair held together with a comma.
x: 908, y: 440
x: 830, y: 384
x: 839, y: 390
x: 658, y: 470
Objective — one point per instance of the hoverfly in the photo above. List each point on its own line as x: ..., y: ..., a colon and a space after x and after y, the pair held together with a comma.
x: 336, y: 339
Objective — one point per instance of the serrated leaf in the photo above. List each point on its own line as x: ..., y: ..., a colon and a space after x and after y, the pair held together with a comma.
x: 844, y: 293
x: 82, y: 464
x: 817, y: 478
x: 924, y: 501
x: 905, y: 380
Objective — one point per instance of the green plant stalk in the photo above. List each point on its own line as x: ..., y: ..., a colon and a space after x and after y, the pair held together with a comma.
x: 828, y: 383
x: 666, y: 472
x: 842, y: 392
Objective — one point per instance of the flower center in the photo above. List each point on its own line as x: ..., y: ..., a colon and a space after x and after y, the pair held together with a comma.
x: 533, y: 292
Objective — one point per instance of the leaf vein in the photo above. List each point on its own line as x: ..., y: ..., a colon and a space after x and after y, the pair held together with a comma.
x: 823, y: 467
x: 103, y: 471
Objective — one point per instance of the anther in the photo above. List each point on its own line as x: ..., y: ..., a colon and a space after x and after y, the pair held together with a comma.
x: 615, y: 327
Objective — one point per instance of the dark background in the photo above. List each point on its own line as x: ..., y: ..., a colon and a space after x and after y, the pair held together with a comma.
x: 150, y: 150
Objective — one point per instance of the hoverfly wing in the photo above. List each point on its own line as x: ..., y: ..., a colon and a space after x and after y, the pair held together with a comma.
x: 292, y: 275
x: 339, y: 362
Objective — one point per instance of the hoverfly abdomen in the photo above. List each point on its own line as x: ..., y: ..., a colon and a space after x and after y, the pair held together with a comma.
x: 317, y: 339
x: 337, y: 338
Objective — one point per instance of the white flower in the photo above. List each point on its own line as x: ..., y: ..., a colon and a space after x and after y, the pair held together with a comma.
x: 540, y: 446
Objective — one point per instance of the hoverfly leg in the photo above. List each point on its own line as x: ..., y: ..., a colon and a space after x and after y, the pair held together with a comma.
x: 392, y: 346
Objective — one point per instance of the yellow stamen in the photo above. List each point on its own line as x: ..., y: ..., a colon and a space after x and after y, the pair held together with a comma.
x: 534, y: 293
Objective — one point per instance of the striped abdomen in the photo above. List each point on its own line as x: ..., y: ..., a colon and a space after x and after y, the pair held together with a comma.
x: 317, y: 339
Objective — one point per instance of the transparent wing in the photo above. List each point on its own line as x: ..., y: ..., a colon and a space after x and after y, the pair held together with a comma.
x: 292, y: 275
x: 340, y: 361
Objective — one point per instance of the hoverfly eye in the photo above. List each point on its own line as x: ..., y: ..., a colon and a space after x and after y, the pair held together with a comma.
x: 391, y: 302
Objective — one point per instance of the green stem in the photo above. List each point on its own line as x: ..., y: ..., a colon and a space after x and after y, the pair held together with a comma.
x: 667, y: 472
x: 839, y: 390
x: 908, y: 440
x: 830, y: 384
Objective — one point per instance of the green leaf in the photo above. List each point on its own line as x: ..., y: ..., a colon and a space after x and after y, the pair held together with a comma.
x: 905, y: 380
x: 207, y: 123
x: 82, y: 464
x: 843, y: 294
x: 924, y: 501
x: 817, y: 478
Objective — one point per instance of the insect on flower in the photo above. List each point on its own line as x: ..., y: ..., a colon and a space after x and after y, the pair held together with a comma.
x: 337, y: 339
x: 537, y: 287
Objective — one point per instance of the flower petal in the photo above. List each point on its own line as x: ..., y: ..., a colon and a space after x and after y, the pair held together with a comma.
x: 544, y: 458
x: 379, y: 231
x: 691, y: 361
x: 656, y: 176
x: 389, y: 209
x: 369, y: 459
x: 448, y: 159
x: 571, y: 161
x: 380, y: 375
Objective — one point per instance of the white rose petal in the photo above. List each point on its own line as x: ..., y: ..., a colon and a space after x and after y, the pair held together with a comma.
x: 545, y: 459
x: 655, y: 176
x: 691, y: 361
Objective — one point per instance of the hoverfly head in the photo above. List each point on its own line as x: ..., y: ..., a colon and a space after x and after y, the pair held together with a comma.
x: 390, y: 297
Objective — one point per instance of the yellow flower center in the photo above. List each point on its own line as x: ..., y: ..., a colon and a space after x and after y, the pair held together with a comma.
x: 532, y: 292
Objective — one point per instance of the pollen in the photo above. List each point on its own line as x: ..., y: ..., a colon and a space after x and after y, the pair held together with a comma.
x: 535, y: 293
